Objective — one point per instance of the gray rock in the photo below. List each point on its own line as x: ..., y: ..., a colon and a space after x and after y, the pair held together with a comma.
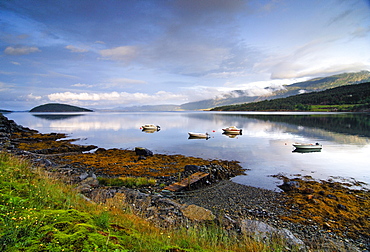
x: 263, y: 231
x: 143, y: 152
x: 191, y: 168
x: 289, y: 185
x: 84, y: 176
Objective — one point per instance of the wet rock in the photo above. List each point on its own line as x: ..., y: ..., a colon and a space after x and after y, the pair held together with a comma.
x: 191, y: 168
x: 143, y: 152
x: 289, y: 185
x: 322, y: 193
x: 331, y: 196
x: 342, y: 207
x: 307, y: 191
x: 100, y: 150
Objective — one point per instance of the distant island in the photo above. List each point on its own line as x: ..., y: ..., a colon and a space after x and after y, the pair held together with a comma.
x: 58, y: 107
x: 350, y: 98
x: 5, y: 111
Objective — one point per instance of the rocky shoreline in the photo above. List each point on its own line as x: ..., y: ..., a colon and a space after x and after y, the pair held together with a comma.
x: 237, y: 207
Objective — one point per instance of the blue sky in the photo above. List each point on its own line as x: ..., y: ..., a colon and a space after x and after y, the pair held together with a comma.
x: 117, y: 53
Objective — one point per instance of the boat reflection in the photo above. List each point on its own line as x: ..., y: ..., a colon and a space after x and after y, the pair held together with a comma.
x: 232, y: 135
x: 149, y: 130
x: 306, y: 150
x: 52, y: 117
x: 194, y: 137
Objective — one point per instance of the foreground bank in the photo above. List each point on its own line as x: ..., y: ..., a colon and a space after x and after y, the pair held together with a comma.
x: 238, y: 209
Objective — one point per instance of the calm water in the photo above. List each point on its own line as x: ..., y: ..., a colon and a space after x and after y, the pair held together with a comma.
x: 264, y: 148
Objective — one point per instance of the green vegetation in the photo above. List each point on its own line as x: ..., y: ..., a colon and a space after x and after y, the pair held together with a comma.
x: 345, y: 98
x: 130, y: 182
x: 313, y: 85
x: 39, y: 213
x: 57, y: 107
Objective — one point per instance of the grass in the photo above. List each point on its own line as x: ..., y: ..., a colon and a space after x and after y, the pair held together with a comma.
x: 40, y: 213
x: 130, y: 182
x: 328, y: 108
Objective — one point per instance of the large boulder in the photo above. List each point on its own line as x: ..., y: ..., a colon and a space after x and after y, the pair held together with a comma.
x: 263, y: 231
x: 143, y: 152
x: 289, y: 185
x: 197, y: 213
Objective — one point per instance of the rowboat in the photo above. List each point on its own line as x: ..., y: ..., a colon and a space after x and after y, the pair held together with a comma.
x: 307, y: 146
x: 232, y: 130
x: 150, y: 127
x: 198, y: 135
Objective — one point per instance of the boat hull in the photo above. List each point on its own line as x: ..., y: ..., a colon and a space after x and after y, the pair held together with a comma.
x: 232, y: 130
x: 198, y: 135
x: 308, y: 146
x: 150, y: 127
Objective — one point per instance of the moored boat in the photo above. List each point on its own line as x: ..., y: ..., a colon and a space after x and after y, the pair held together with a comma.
x: 198, y: 135
x: 150, y: 127
x: 307, y: 146
x: 232, y: 130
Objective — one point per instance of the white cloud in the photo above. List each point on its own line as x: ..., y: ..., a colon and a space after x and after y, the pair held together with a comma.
x: 33, y: 97
x: 121, y: 53
x: 127, y: 81
x: 82, y: 85
x: 117, y: 98
x: 4, y: 86
x: 15, y: 63
x: 75, y: 49
x: 56, y: 75
x: 21, y: 50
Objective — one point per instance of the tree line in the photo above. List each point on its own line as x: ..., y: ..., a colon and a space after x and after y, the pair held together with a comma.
x: 356, y: 95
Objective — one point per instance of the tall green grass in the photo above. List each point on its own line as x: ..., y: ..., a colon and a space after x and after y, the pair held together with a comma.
x: 40, y: 213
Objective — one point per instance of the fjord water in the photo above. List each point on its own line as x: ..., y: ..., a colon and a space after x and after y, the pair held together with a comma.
x: 264, y: 149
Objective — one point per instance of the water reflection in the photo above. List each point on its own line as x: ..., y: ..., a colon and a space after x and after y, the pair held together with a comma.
x: 53, y: 117
x: 264, y: 149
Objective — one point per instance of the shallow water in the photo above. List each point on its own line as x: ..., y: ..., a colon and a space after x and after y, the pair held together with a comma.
x: 264, y: 148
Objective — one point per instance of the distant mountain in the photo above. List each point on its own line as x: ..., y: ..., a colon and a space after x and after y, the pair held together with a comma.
x: 317, y: 84
x: 5, y: 111
x: 354, y: 98
x: 57, y: 107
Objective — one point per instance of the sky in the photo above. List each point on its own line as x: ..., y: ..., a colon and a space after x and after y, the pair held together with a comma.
x: 117, y: 53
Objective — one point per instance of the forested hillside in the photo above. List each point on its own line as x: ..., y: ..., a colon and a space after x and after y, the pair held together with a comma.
x: 57, y: 107
x: 316, y: 84
x: 345, y: 98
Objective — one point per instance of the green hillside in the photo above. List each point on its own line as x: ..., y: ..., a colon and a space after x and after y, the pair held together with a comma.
x: 345, y: 98
x: 57, y: 107
x: 316, y: 84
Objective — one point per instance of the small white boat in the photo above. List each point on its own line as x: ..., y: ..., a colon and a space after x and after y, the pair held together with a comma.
x: 150, y: 127
x: 198, y: 135
x: 232, y: 130
x: 307, y: 146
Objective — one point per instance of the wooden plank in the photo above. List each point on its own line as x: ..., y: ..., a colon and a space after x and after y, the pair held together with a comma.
x: 186, y: 181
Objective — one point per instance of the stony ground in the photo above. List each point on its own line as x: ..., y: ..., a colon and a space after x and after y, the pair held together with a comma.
x: 291, y: 210
x: 323, y: 214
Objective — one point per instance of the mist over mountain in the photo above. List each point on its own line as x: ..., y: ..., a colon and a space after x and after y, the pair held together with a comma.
x: 316, y: 84
x: 235, y: 96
